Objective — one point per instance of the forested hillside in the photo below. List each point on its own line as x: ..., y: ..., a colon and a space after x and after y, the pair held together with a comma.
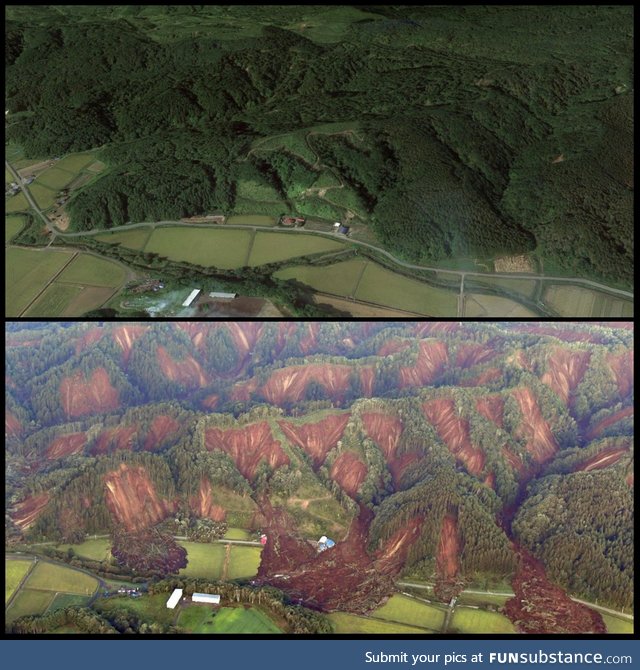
x: 451, y: 131
x: 427, y: 450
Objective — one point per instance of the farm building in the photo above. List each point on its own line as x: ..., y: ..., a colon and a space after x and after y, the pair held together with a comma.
x: 222, y: 296
x: 206, y: 598
x: 263, y: 539
x: 325, y: 543
x: 344, y: 230
x: 296, y: 221
x: 174, y: 598
x: 191, y: 297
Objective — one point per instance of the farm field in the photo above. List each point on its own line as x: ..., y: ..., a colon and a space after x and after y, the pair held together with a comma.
x: 16, y: 203
x: 98, y: 549
x: 132, y: 239
x: 466, y: 620
x: 616, y: 625
x: 75, y: 162
x: 12, y: 226
x: 272, y: 247
x: 481, y: 599
x: 55, y: 178
x: 338, y: 279
x: 243, y: 562
x: 28, y: 601
x: 384, y: 287
x: 205, y: 560
x: 581, y: 302
x: 350, y: 623
x: 225, y: 249
x: 252, y: 220
x: 44, y: 196
x: 238, y: 534
x: 54, y: 300
x: 87, y: 269
x: 227, y: 620
x: 14, y: 571
x: 149, y: 608
x: 476, y: 304
x: 525, y: 287
x: 401, y: 609
x: 62, y: 600
x: 356, y: 308
x: 50, y: 577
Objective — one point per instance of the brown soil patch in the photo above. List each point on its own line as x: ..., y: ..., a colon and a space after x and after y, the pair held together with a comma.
x: 392, y: 557
x: 125, y: 336
x: 316, y: 439
x: 245, y: 334
x: 310, y: 339
x: 629, y: 479
x: 565, y: 370
x: 211, y: 402
x: 448, y: 548
x: 469, y: 355
x: 540, y: 441
x: 187, y: 371
x: 12, y: 427
x: 242, y: 391
x: 89, y: 338
x: 367, y: 378
x: 80, y: 397
x: 429, y: 328
x: 486, y: 376
x: 599, y: 428
x: 492, y: 408
x: 541, y: 607
x: 65, y: 445
x: 247, y: 446
x: 513, y: 460
x: 513, y: 263
x: 393, y: 347
x: 431, y: 360
x: 349, y: 471
x: 602, y: 460
x: 290, y: 384
x: 27, y: 511
x: 132, y: 499
x: 114, y: 439
x: 454, y: 432
x: 490, y: 480
x: 161, y: 427
x: 203, y: 504
x: 622, y: 366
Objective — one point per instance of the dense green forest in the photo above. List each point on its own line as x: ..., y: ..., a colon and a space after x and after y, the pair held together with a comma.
x: 451, y: 131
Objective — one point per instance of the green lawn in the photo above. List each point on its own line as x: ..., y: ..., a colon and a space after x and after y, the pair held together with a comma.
x: 14, y: 571
x: 50, y: 577
x: 465, y: 620
x: 55, y: 178
x: 54, y: 300
x: 243, y: 562
x: 12, y: 226
x: 44, y: 197
x: 616, y: 625
x: 238, y: 534
x: 63, y: 600
x: 412, y: 612
x: 75, y: 162
x: 87, y: 269
x: 208, y: 247
x: 98, y: 549
x: 350, y: 623
x: 226, y: 620
x: 16, y: 203
x: 205, y: 560
x: 132, y: 239
x: 29, y: 602
x: 338, y: 279
x: 272, y: 247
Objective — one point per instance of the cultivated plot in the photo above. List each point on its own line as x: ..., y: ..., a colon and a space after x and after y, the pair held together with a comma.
x: 338, y: 279
x: 273, y: 247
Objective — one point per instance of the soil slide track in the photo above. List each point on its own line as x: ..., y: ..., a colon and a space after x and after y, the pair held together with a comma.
x: 422, y: 329
x: 622, y: 367
x: 367, y: 379
x: 161, y: 427
x: 600, y: 427
x: 187, y: 371
x: 316, y: 439
x: 486, y: 376
x: 310, y: 339
x: 454, y: 432
x: 245, y: 334
x: 432, y: 359
x: 492, y: 408
x: 247, y: 446
x: 132, y: 499
x: 393, y: 347
x: 565, y: 370
x: 603, y: 459
x: 65, y: 445
x: 125, y: 336
x: 28, y: 510
x: 114, y: 439
x: 540, y: 441
x: 290, y: 384
x: 391, y: 559
x: 242, y: 391
x: 12, y: 427
x: 211, y: 401
x: 80, y: 397
x: 348, y: 471
x: 469, y: 355
x: 447, y: 564
x: 203, y: 504
x: 90, y: 337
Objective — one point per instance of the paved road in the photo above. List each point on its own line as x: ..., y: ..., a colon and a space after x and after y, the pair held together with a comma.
x: 29, y: 197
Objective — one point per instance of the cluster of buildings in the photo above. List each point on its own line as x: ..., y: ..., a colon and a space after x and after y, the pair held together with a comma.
x: 208, y: 598
x: 216, y: 295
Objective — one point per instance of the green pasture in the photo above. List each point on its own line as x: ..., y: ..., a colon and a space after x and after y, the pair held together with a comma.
x: 351, y: 623
x: 253, y: 190
x: 294, y: 143
x: 50, y: 577
x: 482, y: 599
x: 88, y: 269
x: 326, y: 179
x: 66, y: 630
x: 44, y: 197
x: 27, y: 602
x: 63, y: 600
x: 616, y: 625
x: 337, y: 279
x: 16, y: 203
x: 8, y: 176
x: 98, y: 549
x: 54, y: 300
x: 401, y: 609
x: 273, y: 247
x: 226, y: 620
x: 150, y: 608
x: 12, y: 226
x: 55, y: 178
x: 466, y: 620
x: 14, y: 571
x: 205, y: 560
x: 132, y: 239
x: 238, y: 534
x: 75, y: 162
x: 244, y: 562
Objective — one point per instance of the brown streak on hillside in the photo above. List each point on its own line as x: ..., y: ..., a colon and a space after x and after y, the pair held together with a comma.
x: 602, y: 460
x: 391, y: 558
x: 316, y: 439
x: 125, y: 336
x: 393, y: 347
x: 211, y: 401
x: 469, y: 355
x: 90, y: 337
x: 28, y: 510
x: 114, y: 439
x: 599, y: 428
x: 242, y: 391
x: 565, y: 370
x: 65, y: 445
x: 367, y: 378
x: 622, y: 367
x: 160, y: 428
x: 80, y: 397
x: 540, y: 441
x: 447, y: 564
x: 290, y: 384
x: 12, y: 427
x: 486, y: 376
x: 187, y: 371
x: 348, y: 471
x: 492, y: 408
x: 431, y: 360
x: 203, y: 504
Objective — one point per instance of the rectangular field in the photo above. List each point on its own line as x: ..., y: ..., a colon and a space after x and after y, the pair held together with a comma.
x: 338, y: 279
x: 237, y: 534
x: 50, y: 577
x: 131, y: 239
x: 149, y: 608
x: 411, y: 612
x: 44, y: 197
x: 252, y: 220
x: 75, y: 162
x: 54, y: 300
x: 220, y: 248
x: 87, y: 269
x: 29, y: 602
x: 575, y: 301
x: 350, y: 623
x: 476, y: 304
x: 12, y: 226
x: 383, y: 287
x: 14, y: 571
x: 524, y: 287
x: 205, y: 560
x: 243, y: 562
x: 95, y: 550
x: 16, y: 203
x: 273, y: 247
x: 62, y: 600
x: 55, y: 178
x: 466, y: 620
x: 356, y: 308
x: 616, y: 625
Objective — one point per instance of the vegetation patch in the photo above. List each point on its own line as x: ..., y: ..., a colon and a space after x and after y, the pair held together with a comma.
x: 55, y: 178
x: 273, y: 247
x: 16, y: 203
x: 98, y: 549
x: 12, y: 226
x: 338, y: 279
x: 467, y: 620
x: 227, y: 620
x: 476, y: 304
x: 409, y: 611
x: 87, y: 269
x: 54, y: 300
x: 14, y: 572
x: 243, y: 562
x: 131, y: 239
x: 29, y: 601
x: 45, y: 197
x: 350, y: 623
x: 50, y: 577
x: 204, y: 560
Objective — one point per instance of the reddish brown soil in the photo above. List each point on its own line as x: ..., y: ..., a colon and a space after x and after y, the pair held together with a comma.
x: 89, y: 338
x: 432, y: 358
x: 565, y: 370
x: 245, y: 334
x: 367, y: 378
x: 132, y: 498
x: 80, y: 397
x: 211, y: 401
x: 26, y: 512
x: 469, y: 355
x: 187, y: 371
x: 448, y: 548
x: 316, y: 439
x: 391, y: 559
x: 603, y: 459
x: 486, y: 376
x: 114, y: 439
x: 513, y: 460
x: 289, y: 384
x: 490, y: 480
x: 622, y: 366
x: 393, y: 347
x: 247, y: 446
x: 540, y: 441
x: 454, y: 432
x: 629, y: 479
x: 491, y: 407
x: 65, y: 445
x: 523, y: 361
x: 161, y: 427
x: 385, y: 430
x: 599, y: 428
x: 12, y: 427
x: 125, y: 336
x: 203, y: 505
x: 541, y: 607
x: 427, y: 328
x: 242, y: 391
x: 310, y: 339
x: 349, y: 471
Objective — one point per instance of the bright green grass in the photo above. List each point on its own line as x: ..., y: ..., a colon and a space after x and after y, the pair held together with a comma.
x: 252, y: 220
x: 272, y: 247
x: 55, y: 178
x: 326, y: 179
x: 12, y: 226
x: 338, y: 279
x: 63, y: 600
x: 615, y: 625
x: 467, y: 620
x: 26, y: 273
x: 54, y: 300
x: 205, y: 560
x: 208, y: 247
x: 8, y: 176
x: 350, y: 623
x: 150, y: 608
x: 50, y: 577
x: 44, y: 197
x: 75, y: 162
x: 87, y: 269
x: 383, y: 287
x: 29, y: 602
x: 253, y: 190
x: 243, y: 562
x: 16, y: 203
x: 238, y: 534
x: 197, y: 619
x: 132, y: 239
x: 14, y: 571
x: 98, y: 549
x: 411, y: 612
x: 294, y: 143
x: 240, y: 620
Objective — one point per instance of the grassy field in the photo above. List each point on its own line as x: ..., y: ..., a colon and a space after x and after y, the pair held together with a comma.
x: 12, y: 226
x: 44, y: 197
x: 491, y: 305
x: 149, y: 608
x: 205, y: 560
x: 465, y: 620
x: 616, y: 625
x: 253, y: 190
x: 272, y: 247
x: 16, y: 203
x: 238, y: 534
x: 356, y: 308
x: 14, y: 571
x: 252, y: 220
x: 132, y: 239
x: 401, y: 609
x: 582, y: 302
x: 55, y: 178
x: 481, y: 599
x: 63, y: 600
x: 87, y: 269
x: 525, y: 287
x: 29, y: 602
x: 226, y: 620
x: 95, y: 550
x: 75, y: 162
x: 243, y: 562
x: 221, y: 248
x: 54, y: 300
x: 338, y: 279
x: 292, y: 142
x: 49, y: 577
x: 26, y: 273
x: 350, y: 623
x: 384, y: 287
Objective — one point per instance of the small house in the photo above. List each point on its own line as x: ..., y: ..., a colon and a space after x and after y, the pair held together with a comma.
x: 174, y: 599
x: 325, y: 543
x: 344, y: 230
